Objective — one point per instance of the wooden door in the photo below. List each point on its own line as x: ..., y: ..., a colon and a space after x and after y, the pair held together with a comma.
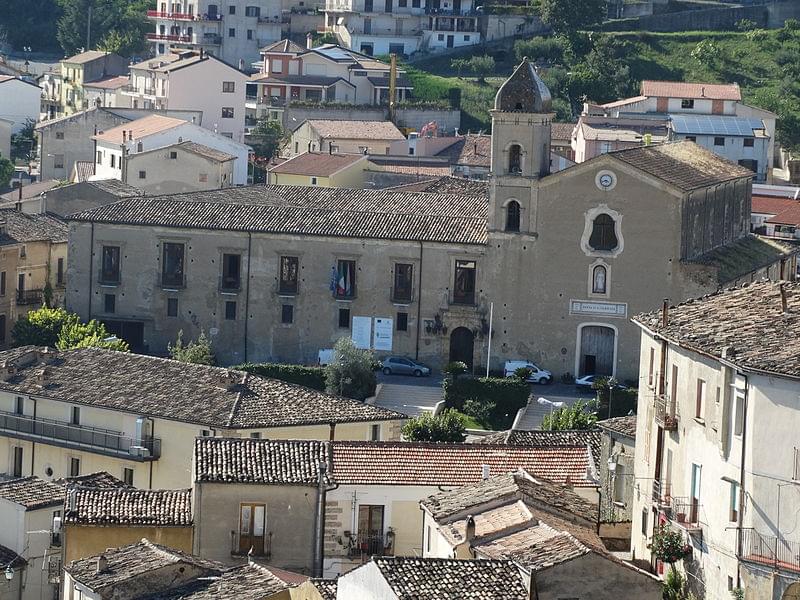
x: 251, y: 528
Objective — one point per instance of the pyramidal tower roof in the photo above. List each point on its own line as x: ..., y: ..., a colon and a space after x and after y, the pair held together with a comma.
x: 524, y: 92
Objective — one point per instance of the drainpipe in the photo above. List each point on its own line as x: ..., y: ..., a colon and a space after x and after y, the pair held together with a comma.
x: 419, y: 302
x: 152, y: 437
x: 740, y: 532
x: 319, y: 525
x: 33, y: 444
x: 91, y: 271
x: 247, y: 293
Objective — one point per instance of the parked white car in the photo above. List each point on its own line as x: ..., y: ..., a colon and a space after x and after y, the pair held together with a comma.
x: 537, y: 375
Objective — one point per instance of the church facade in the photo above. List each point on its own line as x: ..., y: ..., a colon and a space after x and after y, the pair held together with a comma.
x: 557, y: 262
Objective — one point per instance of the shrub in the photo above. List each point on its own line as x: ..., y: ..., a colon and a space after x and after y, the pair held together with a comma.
x: 668, y: 545
x: 579, y: 415
x: 350, y: 373
x: 41, y: 327
x: 523, y: 373
x: 445, y: 427
x: 481, y: 411
x: 310, y: 377
x: 89, y: 335
x: 198, y: 352
x: 503, y: 397
x: 455, y: 368
x: 546, y: 48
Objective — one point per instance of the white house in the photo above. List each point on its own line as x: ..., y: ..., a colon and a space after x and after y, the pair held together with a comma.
x: 117, y: 145
x: 717, y: 445
x: 20, y: 101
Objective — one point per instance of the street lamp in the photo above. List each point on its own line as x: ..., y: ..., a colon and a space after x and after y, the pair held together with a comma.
x: 552, y: 405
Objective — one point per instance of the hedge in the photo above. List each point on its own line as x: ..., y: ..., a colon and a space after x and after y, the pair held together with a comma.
x: 507, y: 394
x: 312, y: 377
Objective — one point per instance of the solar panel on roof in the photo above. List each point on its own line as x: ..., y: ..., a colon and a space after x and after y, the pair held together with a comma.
x: 714, y: 125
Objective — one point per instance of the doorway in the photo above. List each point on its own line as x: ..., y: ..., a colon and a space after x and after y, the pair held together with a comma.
x: 596, y: 350
x: 462, y: 345
x: 450, y: 41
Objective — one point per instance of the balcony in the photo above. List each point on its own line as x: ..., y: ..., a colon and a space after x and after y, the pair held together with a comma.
x: 685, y: 512
x: 662, y: 493
x: 154, y: 14
x: 159, y: 37
x: 363, y: 545
x: 210, y: 39
x: 770, y: 550
x: 79, y: 437
x: 666, y: 413
x: 29, y: 297
x: 444, y: 12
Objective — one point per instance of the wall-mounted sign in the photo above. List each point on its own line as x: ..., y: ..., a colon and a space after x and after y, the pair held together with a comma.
x: 362, y: 332
x: 382, y: 334
x: 598, y: 309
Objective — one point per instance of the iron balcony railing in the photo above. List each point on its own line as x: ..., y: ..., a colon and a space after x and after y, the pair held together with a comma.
x: 666, y: 412
x: 686, y: 512
x: 370, y: 544
x: 662, y: 492
x: 29, y: 296
x: 770, y: 550
x: 81, y: 437
x: 163, y: 37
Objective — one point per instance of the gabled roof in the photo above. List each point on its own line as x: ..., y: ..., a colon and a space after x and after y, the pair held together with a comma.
x: 624, y: 102
x: 109, y: 83
x: 87, y: 56
x: 535, y: 548
x: 139, y: 128
x: 32, y: 492
x: 562, y: 131
x: 129, y: 507
x: 30, y: 191
x: 474, y: 150
x: 283, y: 47
x: 319, y: 164
x: 356, y: 130
x: 545, y: 438
x: 96, y: 480
x: 683, y: 89
x: 9, y: 78
x: 772, y: 205
x: 621, y: 425
x: 205, y: 151
x: 26, y: 228
x: 325, y: 587
x: 788, y: 216
x: 450, y: 579
x: 189, y: 393
x: 745, y: 255
x: 246, y: 582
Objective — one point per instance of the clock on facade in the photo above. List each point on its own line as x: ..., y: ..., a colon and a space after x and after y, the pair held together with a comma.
x: 606, y: 180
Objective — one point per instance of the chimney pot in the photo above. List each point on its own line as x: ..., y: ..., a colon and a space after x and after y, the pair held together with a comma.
x: 665, y: 313
x: 102, y: 563
x: 485, y: 470
x: 470, y: 531
x: 784, y: 298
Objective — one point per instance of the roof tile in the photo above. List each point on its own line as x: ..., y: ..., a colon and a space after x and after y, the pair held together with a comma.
x: 130, y: 507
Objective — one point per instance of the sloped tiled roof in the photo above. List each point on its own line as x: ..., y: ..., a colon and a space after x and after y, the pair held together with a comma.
x: 207, y: 152
x: 772, y: 205
x: 229, y: 460
x: 535, y: 548
x: 326, y: 588
x: 24, y: 228
x: 747, y: 323
x: 685, y: 89
x: 561, y: 131
x: 449, y: 579
x: 116, y: 187
x: 789, y: 216
x: 319, y: 164
x: 158, y: 387
x: 545, y: 438
x: 356, y: 130
x: 87, y: 56
x: 98, y: 479
x: 32, y: 492
x: 139, y: 128
x: 30, y: 191
x: 470, y: 150
x: 130, y: 507
x: 745, y: 255
x: 245, y: 582
x: 9, y: 558
x: 622, y: 425
x: 283, y: 46
x: 109, y: 83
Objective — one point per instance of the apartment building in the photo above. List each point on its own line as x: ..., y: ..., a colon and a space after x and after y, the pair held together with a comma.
x: 19, y: 102
x: 192, y: 80
x: 108, y: 92
x: 344, y: 137
x: 83, y: 68
x: 717, y: 453
x: 233, y: 32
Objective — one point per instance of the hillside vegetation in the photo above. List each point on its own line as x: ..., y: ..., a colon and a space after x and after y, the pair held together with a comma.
x: 605, y: 67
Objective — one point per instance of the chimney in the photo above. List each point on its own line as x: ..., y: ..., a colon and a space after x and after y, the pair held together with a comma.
x: 665, y: 313
x: 309, y: 41
x: 784, y: 299
x: 229, y: 380
x: 485, y: 472
x: 42, y: 377
x: 470, y: 532
x: 201, y: 54
x: 124, y: 136
x: 102, y: 563
x: 241, y: 64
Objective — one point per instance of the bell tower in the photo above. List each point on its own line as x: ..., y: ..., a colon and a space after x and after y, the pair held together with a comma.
x: 520, y: 148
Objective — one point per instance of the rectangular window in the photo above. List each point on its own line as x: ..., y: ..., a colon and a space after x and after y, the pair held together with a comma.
x: 700, y: 402
x: 231, y: 31
x: 402, y: 321
x: 172, y: 266
x: 231, y: 269
x: 59, y: 135
x: 19, y: 405
x: 651, y: 368
x: 345, y: 279
x: 375, y: 433
x: 228, y: 87
x: 673, y: 390
x: 644, y: 522
x: 415, y: 3
x: 249, y: 34
x: 255, y: 435
x: 58, y: 161
x: 74, y: 467
x: 403, y: 277
x: 75, y: 415
x: 719, y: 141
x: 99, y: 157
x: 749, y: 142
x: 113, y: 161
x: 232, y: 9
x: 109, y: 269
x: 288, y: 275
x: 127, y: 476
x: 691, y: 138
x: 60, y: 272
x: 17, y: 467
x: 344, y: 318
x: 230, y: 311
x: 428, y: 538
x: 464, y: 282
x: 2, y: 283
x: 694, y: 515
x: 205, y: 433
x: 2, y: 329
x: 287, y: 314
x: 738, y: 417
x: 687, y: 103
x: 370, y: 528
x: 252, y: 523
x: 733, y: 512
x: 227, y: 112
x: 172, y: 307
x: 142, y: 174
x: 252, y: 11
x: 109, y: 303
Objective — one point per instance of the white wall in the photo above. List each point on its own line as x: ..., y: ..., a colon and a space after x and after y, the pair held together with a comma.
x: 19, y: 101
x: 364, y: 583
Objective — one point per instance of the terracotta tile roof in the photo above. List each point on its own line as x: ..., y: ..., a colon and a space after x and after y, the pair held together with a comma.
x: 356, y: 130
x: 548, y: 439
x: 140, y: 127
x: 684, y: 165
x: 116, y: 188
x: 283, y: 46
x: 25, y: 228
x: 320, y: 164
x: 30, y: 191
x: 682, y: 89
x: 97, y: 480
x: 326, y: 588
x: 231, y: 460
x: 488, y: 522
x: 309, y: 210
x: 245, y: 582
x: 130, y: 507
x: 624, y: 102
x: 450, y: 579
x: 535, y: 548
x: 772, y: 205
x: 202, y: 150
x: 470, y: 150
x: 461, y: 186
x: 622, y: 425
x: 149, y: 386
x: 747, y: 323
x: 407, y: 463
x: 85, y: 57
x: 415, y: 170
x: 744, y: 256
x: 129, y: 562
x: 109, y: 83
x: 562, y: 131
x: 32, y: 492
x: 788, y: 216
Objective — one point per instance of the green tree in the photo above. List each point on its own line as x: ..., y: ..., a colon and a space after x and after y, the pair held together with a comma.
x: 23, y: 143
x: 602, y: 75
x: 568, y: 16
x: 351, y: 372
x: 707, y: 53
x: 198, y: 352
x: 88, y: 335
x: 268, y: 138
x: 445, y: 427
x: 459, y: 64
x: 480, y: 66
x: 6, y: 171
x: 31, y: 24
x: 118, y: 24
x: 42, y: 327
x: 578, y: 415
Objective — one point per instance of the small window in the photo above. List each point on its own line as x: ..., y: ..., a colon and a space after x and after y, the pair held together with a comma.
x: 75, y: 415
x: 313, y: 181
x: 403, y: 282
x: 748, y: 142
x: 441, y: 37
x: 19, y: 405
x: 173, y: 155
x: 2, y: 283
x: 109, y: 270
x: 230, y: 310
x: 172, y: 267
x: 112, y: 160
x: 232, y: 9
x: 515, y: 159
x: 228, y: 87
x: 59, y: 135
x: 139, y: 148
x: 512, y: 216
x: 231, y: 271
x: 375, y: 433
x: 249, y: 34
x: 604, y: 235
x: 142, y: 174
x: 733, y: 512
x: 205, y: 433
x: 719, y: 141
x: 232, y: 31
x: 109, y: 303
x: 16, y: 470
x: 402, y: 321
x: 227, y: 112
x: 738, y: 417
x: 60, y: 272
x: 287, y: 314
x: 651, y: 368
x: 58, y: 161
x: 288, y: 275
x: 464, y: 282
x: 255, y: 435
x: 127, y: 476
x: 345, y: 279
x: 644, y: 522
x: 344, y: 318
x: 599, y: 279
x: 172, y: 307
x: 360, y: 73
x: 99, y: 159
x: 687, y: 103
x: 74, y: 467
x: 691, y: 138
x: 252, y: 11
x: 700, y: 399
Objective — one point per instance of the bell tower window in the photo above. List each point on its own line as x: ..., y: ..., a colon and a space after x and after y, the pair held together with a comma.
x: 604, y: 236
x: 512, y: 216
x: 515, y: 159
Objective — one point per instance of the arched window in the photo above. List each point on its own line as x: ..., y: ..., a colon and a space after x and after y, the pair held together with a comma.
x: 599, y: 279
x: 604, y: 236
x: 512, y: 216
x: 515, y: 159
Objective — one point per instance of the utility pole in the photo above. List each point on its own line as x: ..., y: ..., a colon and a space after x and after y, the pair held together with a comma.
x: 392, y: 85
x: 89, y: 27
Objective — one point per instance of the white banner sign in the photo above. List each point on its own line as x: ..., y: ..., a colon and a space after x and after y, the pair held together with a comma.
x: 362, y: 332
x: 602, y: 309
x: 382, y: 334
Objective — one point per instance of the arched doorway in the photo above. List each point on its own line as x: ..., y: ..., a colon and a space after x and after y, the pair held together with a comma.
x: 462, y: 344
x: 596, y: 350
x: 792, y: 592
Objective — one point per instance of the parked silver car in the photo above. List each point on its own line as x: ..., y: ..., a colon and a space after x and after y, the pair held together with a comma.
x: 400, y: 365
